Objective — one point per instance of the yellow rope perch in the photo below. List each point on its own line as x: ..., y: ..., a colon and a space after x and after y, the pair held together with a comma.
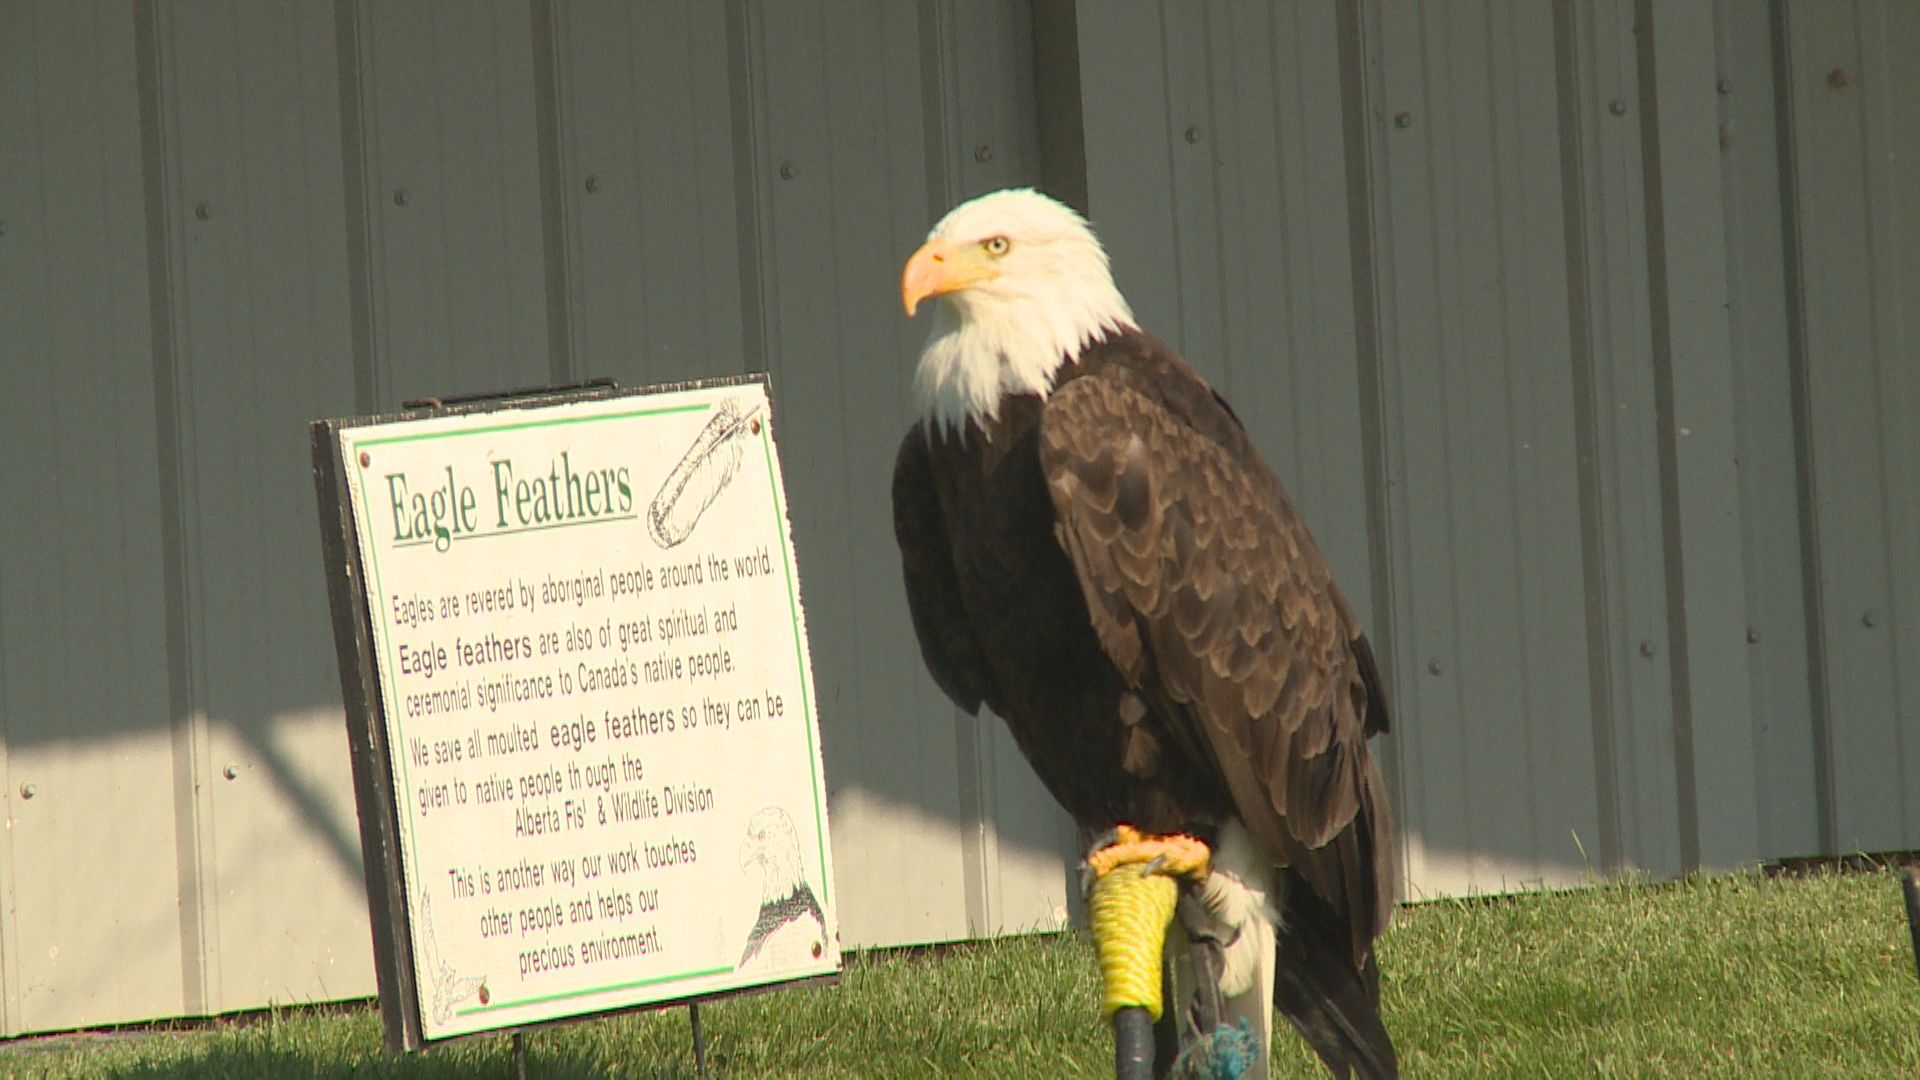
x: 1132, y: 902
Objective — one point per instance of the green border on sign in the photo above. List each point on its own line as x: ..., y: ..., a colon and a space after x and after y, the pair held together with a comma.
x: 566, y: 994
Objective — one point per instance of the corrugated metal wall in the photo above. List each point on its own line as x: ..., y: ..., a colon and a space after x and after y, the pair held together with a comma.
x: 1579, y: 330
x: 1853, y: 185
x: 83, y: 594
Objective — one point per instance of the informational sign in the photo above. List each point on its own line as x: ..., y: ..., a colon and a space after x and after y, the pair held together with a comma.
x: 600, y: 761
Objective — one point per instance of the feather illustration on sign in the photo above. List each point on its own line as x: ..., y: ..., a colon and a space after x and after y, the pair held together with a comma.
x: 709, y: 465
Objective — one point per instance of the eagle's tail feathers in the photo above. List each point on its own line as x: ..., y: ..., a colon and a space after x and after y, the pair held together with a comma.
x: 1334, y: 1005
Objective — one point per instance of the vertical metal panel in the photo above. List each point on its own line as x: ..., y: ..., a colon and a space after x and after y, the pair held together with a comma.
x: 1126, y: 119
x: 978, y: 82
x: 1618, y: 426
x: 92, y: 929
x: 1241, y: 244
x: 260, y: 344
x: 647, y: 185
x: 840, y: 193
x: 1061, y: 135
x: 1791, y: 762
x: 1482, y: 462
x: 452, y: 177
x: 1694, y: 383
x: 1855, y: 189
x: 1275, y: 150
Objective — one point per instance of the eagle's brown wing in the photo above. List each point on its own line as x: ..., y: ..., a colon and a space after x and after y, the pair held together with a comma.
x: 946, y: 635
x: 1208, y: 593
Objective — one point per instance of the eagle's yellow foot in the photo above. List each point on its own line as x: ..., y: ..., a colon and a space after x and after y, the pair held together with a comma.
x: 1129, y: 906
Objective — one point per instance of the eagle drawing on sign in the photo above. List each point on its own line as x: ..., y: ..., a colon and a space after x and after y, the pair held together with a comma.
x: 445, y: 986
x: 790, y: 923
x: 1094, y: 549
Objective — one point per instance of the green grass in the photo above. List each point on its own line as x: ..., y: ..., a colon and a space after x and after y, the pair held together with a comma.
x: 1721, y: 976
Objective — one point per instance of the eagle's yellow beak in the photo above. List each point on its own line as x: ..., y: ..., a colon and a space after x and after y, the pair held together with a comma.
x: 940, y: 267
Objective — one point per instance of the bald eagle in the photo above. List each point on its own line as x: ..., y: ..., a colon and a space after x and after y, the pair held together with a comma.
x: 1094, y: 550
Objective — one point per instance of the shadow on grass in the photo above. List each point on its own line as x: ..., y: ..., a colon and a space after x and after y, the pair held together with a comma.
x: 340, y: 1046
x: 295, y: 1065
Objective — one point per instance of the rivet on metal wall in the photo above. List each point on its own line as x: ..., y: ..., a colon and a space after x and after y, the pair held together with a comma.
x: 1838, y: 78
x: 231, y: 772
x: 400, y: 197
x: 983, y: 153
x: 1618, y: 106
x: 366, y: 459
x: 28, y: 791
x: 1403, y: 120
x: 1193, y: 136
x: 788, y: 170
x: 202, y: 210
x: 1867, y: 618
x: 593, y: 183
x: 1433, y: 667
x: 1724, y: 86
x: 1646, y: 648
x: 1753, y: 636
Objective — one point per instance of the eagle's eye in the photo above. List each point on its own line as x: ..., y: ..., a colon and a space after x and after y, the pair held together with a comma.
x: 997, y: 246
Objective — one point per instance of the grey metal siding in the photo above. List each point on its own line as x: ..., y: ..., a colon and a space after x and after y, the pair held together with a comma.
x: 649, y: 158
x: 1490, y: 638
x: 83, y: 607
x: 451, y: 180
x: 1713, y: 717
x: 1616, y: 424
x: 1639, y: 495
x: 1796, y: 808
x: 1855, y: 188
x: 251, y: 252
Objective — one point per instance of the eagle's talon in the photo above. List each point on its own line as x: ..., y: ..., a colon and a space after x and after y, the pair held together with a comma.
x: 1208, y: 955
x: 1103, y: 840
x: 1176, y: 854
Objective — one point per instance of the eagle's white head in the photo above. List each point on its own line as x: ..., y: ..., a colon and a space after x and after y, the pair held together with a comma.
x: 1023, y: 285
